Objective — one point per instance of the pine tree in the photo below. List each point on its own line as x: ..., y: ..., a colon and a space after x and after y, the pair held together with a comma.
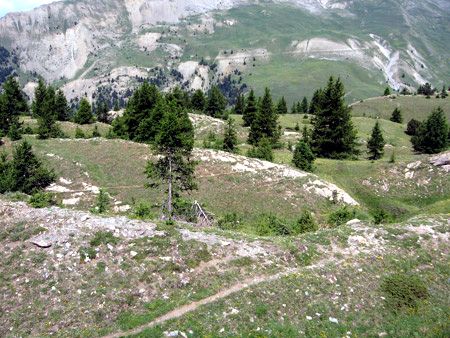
x: 174, y: 144
x: 95, y: 132
x: 413, y: 127
x: 12, y: 104
x: 375, y: 144
x: 139, y: 108
x: 387, y: 91
x: 306, y: 135
x: 61, y: 107
x: 216, y: 103
x: 282, y: 108
x: 397, y: 116
x: 316, y: 102
x: 333, y: 133
x: 40, y: 94
x: 84, y: 113
x: 265, y: 123
x: 25, y: 173
x: 230, y: 137
x: 304, y: 106
x: 149, y: 128
x: 294, y: 108
x: 432, y: 136
x: 303, y: 156
x: 46, y: 115
x: 198, y: 100
x: 251, y: 109
x: 239, y: 108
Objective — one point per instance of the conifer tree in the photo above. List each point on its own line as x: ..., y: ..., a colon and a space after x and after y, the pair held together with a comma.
x: 13, y: 103
x: 230, y: 137
x: 432, y: 136
x: 251, y: 109
x: 375, y: 144
x: 282, y: 106
x: 304, y: 106
x: 61, y: 106
x: 263, y: 150
x: 240, y: 105
x: 150, y: 127
x: 412, y: 127
x: 138, y: 109
x: 102, y: 112
x: 198, y: 100
x: 333, y: 133
x: 316, y: 103
x: 45, y: 112
x: 265, y: 123
x: 25, y: 172
x: 303, y: 156
x: 444, y: 93
x: 294, y: 108
x: 306, y: 135
x: 387, y: 91
x: 397, y: 116
x: 40, y: 94
x: 174, y: 144
x: 216, y: 103
x: 84, y: 113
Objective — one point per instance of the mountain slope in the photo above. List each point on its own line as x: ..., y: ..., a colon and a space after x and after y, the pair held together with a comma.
x: 293, y: 44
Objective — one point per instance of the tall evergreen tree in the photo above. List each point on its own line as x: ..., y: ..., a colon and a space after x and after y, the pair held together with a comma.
x: 333, y: 133
x: 216, y: 103
x: 387, y: 91
x: 413, y: 127
x: 84, y: 113
x: 444, y: 93
x: 198, y: 100
x: 265, y: 124
x: 251, y: 109
x: 432, y: 136
x: 303, y: 156
x: 240, y: 105
x: 316, y: 102
x: 45, y: 111
x: 15, y: 99
x: 40, y: 94
x: 102, y: 112
x: 174, y: 144
x: 294, y: 108
x: 282, y: 108
x: 230, y: 137
x: 149, y: 128
x: 263, y: 150
x: 138, y: 109
x: 375, y: 144
x: 397, y: 116
x: 62, y: 109
x: 304, y: 106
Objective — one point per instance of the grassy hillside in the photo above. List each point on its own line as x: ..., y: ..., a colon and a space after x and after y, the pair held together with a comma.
x: 418, y: 107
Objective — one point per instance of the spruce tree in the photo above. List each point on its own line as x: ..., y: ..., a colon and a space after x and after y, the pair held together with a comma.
x: 387, y: 91
x: 303, y: 156
x: 216, y: 103
x: 444, y: 93
x: 333, y: 133
x: 102, y: 112
x: 304, y: 106
x: 294, y: 108
x: 174, y: 144
x: 40, y: 94
x: 265, y: 123
x: 149, y: 128
x: 61, y: 107
x: 432, y: 136
x: 263, y: 150
x: 230, y: 137
x: 15, y: 104
x: 282, y: 108
x: 251, y: 109
x: 84, y: 113
x: 316, y: 102
x: 412, y: 127
x: 397, y: 116
x: 375, y: 144
x: 47, y: 116
x: 239, y: 108
x: 138, y: 109
x: 25, y: 172
x: 198, y: 100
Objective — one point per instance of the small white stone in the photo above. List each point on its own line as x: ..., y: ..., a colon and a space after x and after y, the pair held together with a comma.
x: 333, y: 320
x: 308, y: 317
x: 133, y: 254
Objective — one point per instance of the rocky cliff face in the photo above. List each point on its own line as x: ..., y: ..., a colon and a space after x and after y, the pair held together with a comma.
x: 86, y: 40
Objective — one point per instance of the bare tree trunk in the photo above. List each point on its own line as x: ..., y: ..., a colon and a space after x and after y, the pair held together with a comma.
x: 169, y: 199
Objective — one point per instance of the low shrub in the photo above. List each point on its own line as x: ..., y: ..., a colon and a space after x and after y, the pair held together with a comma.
x: 230, y: 221
x: 403, y: 291
x: 341, y: 216
x: 103, y: 237
x: 143, y: 211
x: 41, y: 200
x: 306, y: 223
x: 268, y: 225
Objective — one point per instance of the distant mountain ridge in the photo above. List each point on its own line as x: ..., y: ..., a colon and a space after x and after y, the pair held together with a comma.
x: 83, y: 44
